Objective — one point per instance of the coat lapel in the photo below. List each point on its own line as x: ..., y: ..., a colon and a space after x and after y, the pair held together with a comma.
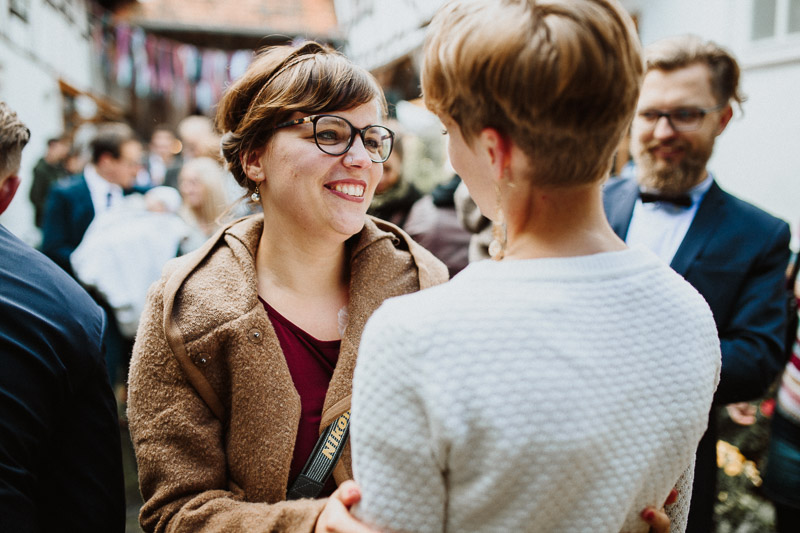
x: 83, y: 208
x: 708, y: 217
x: 619, y: 202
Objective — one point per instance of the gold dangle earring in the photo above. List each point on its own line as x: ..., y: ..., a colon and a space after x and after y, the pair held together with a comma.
x: 497, y: 248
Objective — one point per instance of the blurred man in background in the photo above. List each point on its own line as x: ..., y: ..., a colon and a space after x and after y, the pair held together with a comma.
x: 46, y: 172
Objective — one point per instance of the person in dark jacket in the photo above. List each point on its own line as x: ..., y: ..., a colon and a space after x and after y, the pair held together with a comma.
x: 60, y: 455
x: 46, y: 173
x: 433, y: 223
x: 395, y: 195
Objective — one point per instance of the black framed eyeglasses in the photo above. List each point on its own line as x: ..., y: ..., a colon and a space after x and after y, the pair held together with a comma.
x: 680, y: 119
x: 334, y: 135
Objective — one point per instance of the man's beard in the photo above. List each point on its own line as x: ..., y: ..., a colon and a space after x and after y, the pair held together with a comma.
x: 671, y: 178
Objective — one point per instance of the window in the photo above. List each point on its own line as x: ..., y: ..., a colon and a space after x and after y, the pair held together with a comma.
x: 67, y: 7
x: 19, y: 8
x: 775, y: 19
x: 794, y: 16
x: 763, y: 19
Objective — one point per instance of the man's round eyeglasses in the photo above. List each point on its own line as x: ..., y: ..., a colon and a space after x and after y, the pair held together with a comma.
x: 334, y: 135
x: 681, y: 119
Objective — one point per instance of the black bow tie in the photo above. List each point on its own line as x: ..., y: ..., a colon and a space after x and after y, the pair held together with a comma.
x: 682, y: 200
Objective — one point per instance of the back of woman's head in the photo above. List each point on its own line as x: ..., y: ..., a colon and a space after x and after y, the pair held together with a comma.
x: 558, y: 77
x: 309, y: 78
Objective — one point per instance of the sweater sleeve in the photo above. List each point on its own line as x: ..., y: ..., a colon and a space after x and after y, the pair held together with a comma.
x: 678, y: 512
x: 395, y: 459
x: 180, y: 449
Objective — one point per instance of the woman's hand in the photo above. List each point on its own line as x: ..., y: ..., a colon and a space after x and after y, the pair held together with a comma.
x: 336, y: 517
x: 657, y: 519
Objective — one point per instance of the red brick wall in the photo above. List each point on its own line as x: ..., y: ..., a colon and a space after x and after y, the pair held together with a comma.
x: 296, y: 16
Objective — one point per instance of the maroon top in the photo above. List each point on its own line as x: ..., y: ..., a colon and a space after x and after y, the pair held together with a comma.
x: 311, y: 363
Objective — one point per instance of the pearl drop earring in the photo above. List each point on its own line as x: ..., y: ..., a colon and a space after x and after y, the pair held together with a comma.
x: 256, y: 196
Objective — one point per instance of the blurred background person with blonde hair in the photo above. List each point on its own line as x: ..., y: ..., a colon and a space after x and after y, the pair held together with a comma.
x: 201, y: 184
x: 198, y: 137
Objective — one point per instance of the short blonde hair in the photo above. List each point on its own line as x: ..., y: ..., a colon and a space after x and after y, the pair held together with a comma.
x: 560, y: 78
x: 682, y: 51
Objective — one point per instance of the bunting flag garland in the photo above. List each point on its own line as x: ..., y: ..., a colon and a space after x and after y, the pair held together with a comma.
x: 155, y: 66
x: 139, y: 53
x: 123, y: 61
x: 165, y: 72
x: 240, y: 60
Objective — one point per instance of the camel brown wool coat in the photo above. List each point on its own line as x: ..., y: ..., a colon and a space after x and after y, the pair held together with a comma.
x: 212, y: 408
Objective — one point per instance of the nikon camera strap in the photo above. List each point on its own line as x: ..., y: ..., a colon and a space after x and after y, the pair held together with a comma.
x: 323, y: 459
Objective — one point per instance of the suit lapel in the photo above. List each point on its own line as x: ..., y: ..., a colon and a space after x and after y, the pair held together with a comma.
x: 708, y: 217
x: 619, y: 206
x: 84, y: 208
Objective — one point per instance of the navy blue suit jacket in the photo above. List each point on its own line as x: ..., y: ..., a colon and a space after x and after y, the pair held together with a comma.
x: 60, y: 454
x: 68, y: 213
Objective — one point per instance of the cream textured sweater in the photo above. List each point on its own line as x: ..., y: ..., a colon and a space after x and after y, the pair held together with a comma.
x: 551, y: 395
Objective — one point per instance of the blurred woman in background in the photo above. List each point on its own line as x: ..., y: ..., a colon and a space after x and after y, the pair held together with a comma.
x: 201, y: 184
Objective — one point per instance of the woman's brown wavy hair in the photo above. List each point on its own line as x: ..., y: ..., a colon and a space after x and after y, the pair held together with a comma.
x: 309, y: 78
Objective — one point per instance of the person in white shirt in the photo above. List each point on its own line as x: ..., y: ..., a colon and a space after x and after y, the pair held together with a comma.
x: 565, y: 385
x: 72, y: 205
x: 162, y: 162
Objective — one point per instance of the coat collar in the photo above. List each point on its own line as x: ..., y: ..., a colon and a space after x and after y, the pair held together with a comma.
x: 382, y: 265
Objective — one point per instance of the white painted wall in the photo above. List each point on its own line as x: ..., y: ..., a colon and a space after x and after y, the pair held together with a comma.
x: 381, y: 31
x: 33, y: 56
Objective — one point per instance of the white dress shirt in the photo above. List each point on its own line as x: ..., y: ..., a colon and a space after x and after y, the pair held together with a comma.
x: 661, y: 226
x: 104, y: 193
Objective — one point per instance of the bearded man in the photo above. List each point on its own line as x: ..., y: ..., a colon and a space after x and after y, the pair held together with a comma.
x: 733, y: 253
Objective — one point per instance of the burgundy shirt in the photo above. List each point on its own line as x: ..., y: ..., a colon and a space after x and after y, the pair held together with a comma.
x: 311, y: 363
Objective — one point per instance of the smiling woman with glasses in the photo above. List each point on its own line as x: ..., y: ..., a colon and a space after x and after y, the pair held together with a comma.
x: 245, y: 353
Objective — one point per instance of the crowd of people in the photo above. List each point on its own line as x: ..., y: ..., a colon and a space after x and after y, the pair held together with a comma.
x: 267, y: 293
